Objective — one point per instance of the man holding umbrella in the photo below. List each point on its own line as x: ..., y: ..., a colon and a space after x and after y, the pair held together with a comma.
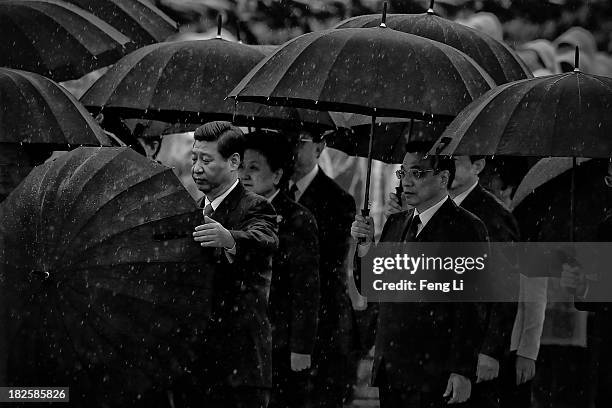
x: 419, y: 360
x: 239, y: 230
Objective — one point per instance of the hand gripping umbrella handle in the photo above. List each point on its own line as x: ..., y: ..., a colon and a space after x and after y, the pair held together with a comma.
x: 365, y: 212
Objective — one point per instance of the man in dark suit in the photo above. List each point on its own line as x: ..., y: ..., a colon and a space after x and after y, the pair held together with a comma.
x: 425, y: 351
x: 573, y: 279
x: 240, y: 231
x: 294, y: 293
x: 334, y: 210
x: 494, y: 359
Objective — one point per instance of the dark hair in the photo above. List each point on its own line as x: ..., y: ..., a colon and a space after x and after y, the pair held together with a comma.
x: 229, y: 137
x: 473, y: 158
x: 275, y: 147
x: 438, y: 163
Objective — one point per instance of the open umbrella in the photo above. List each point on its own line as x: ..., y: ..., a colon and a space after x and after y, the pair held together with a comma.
x: 106, y: 290
x: 37, y: 110
x: 188, y: 81
x: 493, y: 56
x: 563, y: 115
x: 56, y: 39
x: 371, y: 71
x: 543, y: 211
x: 141, y: 21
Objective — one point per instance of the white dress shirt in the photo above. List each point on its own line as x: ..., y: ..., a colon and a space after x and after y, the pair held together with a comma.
x: 303, y: 183
x: 460, y: 197
x: 229, y: 252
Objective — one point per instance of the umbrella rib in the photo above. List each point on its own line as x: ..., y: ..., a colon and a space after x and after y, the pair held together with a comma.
x: 163, y: 194
x: 103, y: 336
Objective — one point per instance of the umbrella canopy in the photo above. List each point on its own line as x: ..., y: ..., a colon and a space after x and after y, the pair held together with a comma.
x: 391, y: 135
x: 37, y: 110
x: 371, y: 71
x: 545, y: 213
x: 56, y: 39
x: 141, y: 21
x: 188, y: 81
x: 493, y: 56
x: 567, y: 114
x: 104, y: 286
x: 542, y: 172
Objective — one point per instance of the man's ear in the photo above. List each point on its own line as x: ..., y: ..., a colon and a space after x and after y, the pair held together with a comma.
x: 479, y: 165
x: 235, y: 161
x: 444, y: 176
x: 278, y: 175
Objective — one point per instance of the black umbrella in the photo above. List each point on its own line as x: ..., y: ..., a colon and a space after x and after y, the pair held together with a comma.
x: 188, y: 81
x: 541, y: 202
x: 37, y: 110
x: 564, y: 115
x: 141, y: 21
x: 56, y: 39
x: 106, y: 290
x: 371, y: 71
x: 493, y: 56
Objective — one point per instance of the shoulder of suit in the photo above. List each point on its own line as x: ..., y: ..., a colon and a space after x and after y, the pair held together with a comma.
x: 255, y: 200
x: 333, y: 188
x: 492, y: 201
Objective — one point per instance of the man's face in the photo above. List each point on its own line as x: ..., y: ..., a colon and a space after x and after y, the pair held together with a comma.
x: 210, y: 171
x: 424, y: 191
x: 465, y: 172
x: 307, y: 153
x: 256, y: 174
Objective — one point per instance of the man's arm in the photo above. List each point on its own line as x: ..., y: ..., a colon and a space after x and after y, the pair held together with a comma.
x: 257, y: 232
x: 303, y: 268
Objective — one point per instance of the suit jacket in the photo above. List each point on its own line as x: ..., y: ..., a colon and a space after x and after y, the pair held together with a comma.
x: 498, y: 318
x: 238, y: 339
x: 602, y: 322
x: 334, y: 211
x: 295, y: 293
x: 419, y: 344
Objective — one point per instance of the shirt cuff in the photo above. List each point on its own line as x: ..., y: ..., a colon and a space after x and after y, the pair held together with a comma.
x: 362, y: 249
x: 230, y: 253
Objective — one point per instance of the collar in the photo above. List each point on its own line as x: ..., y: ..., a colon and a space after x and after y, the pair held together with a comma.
x: 426, y: 215
x: 303, y: 183
x: 217, y: 201
x: 460, y: 197
x: 273, y: 196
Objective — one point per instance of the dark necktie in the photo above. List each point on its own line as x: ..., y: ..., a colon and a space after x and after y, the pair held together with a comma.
x: 208, y: 210
x: 293, y: 192
x: 412, y: 229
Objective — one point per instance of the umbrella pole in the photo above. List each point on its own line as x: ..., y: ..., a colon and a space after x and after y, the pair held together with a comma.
x: 572, y: 203
x: 366, y: 210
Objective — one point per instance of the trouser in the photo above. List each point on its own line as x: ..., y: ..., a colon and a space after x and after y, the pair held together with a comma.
x: 512, y: 395
x: 332, y: 378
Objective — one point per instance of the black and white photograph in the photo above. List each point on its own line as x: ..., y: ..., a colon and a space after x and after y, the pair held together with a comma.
x: 305, y: 203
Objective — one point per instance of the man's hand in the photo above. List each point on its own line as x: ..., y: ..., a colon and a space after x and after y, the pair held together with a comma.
x: 573, y: 280
x: 300, y: 362
x: 392, y: 205
x: 363, y: 227
x: 459, y: 388
x: 525, y: 369
x: 213, y: 235
x: 487, y: 369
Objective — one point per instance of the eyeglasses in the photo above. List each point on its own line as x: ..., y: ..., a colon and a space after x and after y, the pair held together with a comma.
x: 413, y: 173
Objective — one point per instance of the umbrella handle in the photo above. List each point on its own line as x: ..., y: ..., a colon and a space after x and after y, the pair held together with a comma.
x: 399, y: 190
x: 365, y: 212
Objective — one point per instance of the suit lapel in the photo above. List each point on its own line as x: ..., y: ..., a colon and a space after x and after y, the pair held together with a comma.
x: 223, y: 213
x: 436, y: 223
x: 309, y: 196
